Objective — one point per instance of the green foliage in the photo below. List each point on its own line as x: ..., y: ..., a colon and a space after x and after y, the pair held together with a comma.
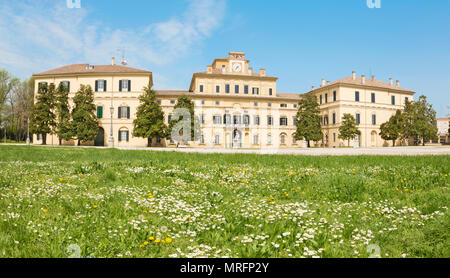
x: 64, y: 126
x: 185, y: 102
x: 85, y: 124
x: 149, y: 122
x: 393, y: 129
x: 43, y: 119
x: 308, y: 119
x: 348, y: 129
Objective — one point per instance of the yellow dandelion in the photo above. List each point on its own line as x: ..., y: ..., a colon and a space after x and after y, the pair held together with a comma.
x: 151, y: 238
x: 145, y: 242
x: 44, y: 210
x: 157, y: 240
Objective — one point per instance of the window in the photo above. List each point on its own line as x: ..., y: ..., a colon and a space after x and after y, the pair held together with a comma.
x: 217, y: 120
x: 325, y: 120
x: 42, y: 84
x: 269, y: 120
x: 269, y: 104
x: 295, y: 105
x: 201, y: 88
x: 159, y: 101
x: 172, y: 101
x: 294, y: 121
x: 236, y: 89
x: 283, y: 121
x: 246, y: 120
x: 237, y: 119
x: 373, y: 97
x: 269, y: 139
x: 217, y: 89
x: 256, y: 120
x: 334, y: 96
x: 100, y: 85
x: 66, y: 85
x: 246, y: 89
x: 334, y: 118
x: 99, y: 112
x: 283, y: 105
x: 202, y: 139
x: 283, y: 139
x: 217, y: 102
x: 255, y: 91
x: 374, y: 119
x: 320, y: 99
x: 124, y: 112
x: 158, y: 140
x: 227, y: 88
x: 124, y: 136
x: 294, y: 141
x: 326, y: 98
x: 125, y: 85
x: 217, y: 139
x: 393, y: 100
x: 334, y: 137
x: 202, y: 119
x: 203, y: 102
x: 406, y: 99
x: 358, y: 118
x: 356, y: 96
x: 255, y: 104
x: 255, y: 139
x: 270, y: 91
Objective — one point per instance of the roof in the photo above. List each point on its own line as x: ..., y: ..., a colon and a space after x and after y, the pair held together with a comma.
x: 289, y: 96
x: 443, y: 119
x: 86, y: 68
x: 176, y: 93
x: 219, y: 71
x: 369, y: 83
x: 172, y: 92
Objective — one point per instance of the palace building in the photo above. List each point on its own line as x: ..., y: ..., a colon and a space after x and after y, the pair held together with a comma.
x: 238, y: 107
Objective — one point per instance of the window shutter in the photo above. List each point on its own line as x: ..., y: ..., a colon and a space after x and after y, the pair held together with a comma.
x: 105, y: 86
x: 120, y: 85
x: 100, y: 112
x: 96, y: 85
x: 129, y: 85
x: 119, y: 136
x: 128, y: 136
x: 120, y: 113
x: 128, y: 112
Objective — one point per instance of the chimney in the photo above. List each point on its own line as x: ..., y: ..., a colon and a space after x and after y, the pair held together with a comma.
x: 250, y: 70
x: 263, y: 72
x: 397, y: 83
x: 323, y: 82
x: 363, y: 79
x: 373, y: 77
x: 354, y: 75
x: 391, y: 82
x: 209, y: 69
x: 113, y: 60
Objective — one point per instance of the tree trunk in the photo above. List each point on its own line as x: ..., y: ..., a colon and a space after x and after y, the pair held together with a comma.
x: 79, y: 143
x: 149, y: 142
x: 60, y: 141
x: 348, y: 142
x: 393, y: 143
x: 44, y: 139
x: 309, y: 144
x: 423, y: 142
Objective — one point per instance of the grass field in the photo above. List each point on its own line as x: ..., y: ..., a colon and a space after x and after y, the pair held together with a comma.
x: 62, y: 202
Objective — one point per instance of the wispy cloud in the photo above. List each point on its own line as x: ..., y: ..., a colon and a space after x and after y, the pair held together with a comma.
x: 38, y: 35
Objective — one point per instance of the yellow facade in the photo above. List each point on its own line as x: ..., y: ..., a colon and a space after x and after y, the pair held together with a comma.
x: 258, y: 115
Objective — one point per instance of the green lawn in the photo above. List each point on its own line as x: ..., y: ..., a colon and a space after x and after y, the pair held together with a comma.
x: 112, y: 203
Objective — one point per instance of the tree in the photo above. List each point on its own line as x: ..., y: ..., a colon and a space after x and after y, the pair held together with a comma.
x: 308, y: 119
x: 43, y: 118
x: 7, y: 82
x: 149, y: 122
x: 420, y: 120
x: 63, y: 126
x: 84, y: 121
x: 348, y: 129
x: 185, y: 102
x: 392, y: 129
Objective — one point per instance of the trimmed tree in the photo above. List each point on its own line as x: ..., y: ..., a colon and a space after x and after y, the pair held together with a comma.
x: 420, y: 120
x: 42, y: 117
x: 63, y: 126
x: 392, y: 129
x: 84, y: 123
x: 348, y: 129
x: 183, y: 102
x: 149, y: 122
x: 308, y: 119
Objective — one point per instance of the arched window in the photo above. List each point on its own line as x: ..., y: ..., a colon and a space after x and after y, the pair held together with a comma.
x: 283, y: 138
x: 124, y: 135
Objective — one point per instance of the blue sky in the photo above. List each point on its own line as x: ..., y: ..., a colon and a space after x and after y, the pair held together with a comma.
x: 299, y: 41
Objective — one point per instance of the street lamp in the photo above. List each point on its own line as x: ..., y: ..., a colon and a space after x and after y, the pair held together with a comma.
x: 111, y: 136
x: 28, y: 131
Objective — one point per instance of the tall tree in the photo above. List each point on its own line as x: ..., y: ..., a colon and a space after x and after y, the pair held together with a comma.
x: 392, y: 129
x: 421, y: 120
x: 84, y: 121
x: 183, y: 102
x: 308, y: 119
x: 149, y: 122
x: 43, y: 118
x: 348, y: 129
x: 5, y: 88
x: 63, y: 126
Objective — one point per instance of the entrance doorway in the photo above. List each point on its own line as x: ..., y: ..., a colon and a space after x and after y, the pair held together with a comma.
x: 237, y: 139
x: 100, y: 139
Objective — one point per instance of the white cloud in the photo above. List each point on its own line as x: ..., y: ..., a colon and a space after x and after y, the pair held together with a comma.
x: 39, y: 35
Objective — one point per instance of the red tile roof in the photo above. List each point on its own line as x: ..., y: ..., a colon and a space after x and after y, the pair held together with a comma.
x: 369, y: 82
x: 86, y: 68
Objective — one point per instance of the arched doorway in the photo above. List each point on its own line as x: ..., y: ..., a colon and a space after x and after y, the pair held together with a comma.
x: 237, y: 139
x: 100, y: 139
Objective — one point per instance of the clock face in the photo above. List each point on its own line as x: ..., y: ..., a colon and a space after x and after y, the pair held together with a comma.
x: 237, y: 67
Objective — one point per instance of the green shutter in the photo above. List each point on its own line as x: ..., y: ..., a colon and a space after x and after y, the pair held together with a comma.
x: 99, y: 112
x: 120, y: 85
x: 120, y: 113
x: 129, y: 85
x: 128, y: 112
x: 96, y: 85
x: 128, y: 136
x: 118, y: 137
